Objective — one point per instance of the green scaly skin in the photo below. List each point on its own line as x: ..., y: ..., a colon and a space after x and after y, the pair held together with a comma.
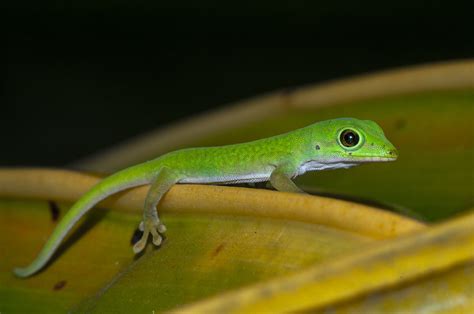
x: 325, y: 145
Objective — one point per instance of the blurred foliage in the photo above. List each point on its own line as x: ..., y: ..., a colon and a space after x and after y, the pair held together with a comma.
x: 449, y: 292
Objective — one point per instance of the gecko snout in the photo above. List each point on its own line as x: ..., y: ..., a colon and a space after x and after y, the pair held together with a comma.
x: 392, y: 153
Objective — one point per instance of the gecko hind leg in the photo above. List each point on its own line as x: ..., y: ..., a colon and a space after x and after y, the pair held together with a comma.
x: 151, y: 223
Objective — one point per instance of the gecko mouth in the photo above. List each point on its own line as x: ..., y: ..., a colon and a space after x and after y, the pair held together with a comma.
x: 359, y: 160
x: 337, y: 163
x: 373, y: 159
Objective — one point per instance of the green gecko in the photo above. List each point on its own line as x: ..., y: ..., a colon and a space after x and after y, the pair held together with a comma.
x: 331, y: 144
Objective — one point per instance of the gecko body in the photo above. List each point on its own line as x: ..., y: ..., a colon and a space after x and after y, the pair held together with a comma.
x: 331, y: 144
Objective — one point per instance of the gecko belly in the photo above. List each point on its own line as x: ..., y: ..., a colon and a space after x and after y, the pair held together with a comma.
x: 229, y: 179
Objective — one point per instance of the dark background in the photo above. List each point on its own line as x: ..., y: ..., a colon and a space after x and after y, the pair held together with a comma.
x: 80, y: 79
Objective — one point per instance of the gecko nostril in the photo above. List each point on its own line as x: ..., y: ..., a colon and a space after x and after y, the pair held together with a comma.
x: 393, y: 153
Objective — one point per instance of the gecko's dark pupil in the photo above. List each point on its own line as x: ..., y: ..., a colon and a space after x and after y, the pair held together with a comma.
x: 349, y: 138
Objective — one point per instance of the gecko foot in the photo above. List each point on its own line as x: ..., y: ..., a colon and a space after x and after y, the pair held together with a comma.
x: 147, y: 227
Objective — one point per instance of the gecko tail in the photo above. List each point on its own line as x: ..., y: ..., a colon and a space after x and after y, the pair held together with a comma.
x: 122, y: 180
x: 24, y: 272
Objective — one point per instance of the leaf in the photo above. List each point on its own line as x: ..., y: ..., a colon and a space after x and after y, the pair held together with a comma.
x: 436, y: 262
x: 219, y: 238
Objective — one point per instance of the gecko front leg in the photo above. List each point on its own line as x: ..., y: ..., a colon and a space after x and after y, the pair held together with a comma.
x: 151, y: 223
x: 281, y: 179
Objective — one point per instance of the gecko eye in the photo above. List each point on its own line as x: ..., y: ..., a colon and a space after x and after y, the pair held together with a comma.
x: 349, y: 138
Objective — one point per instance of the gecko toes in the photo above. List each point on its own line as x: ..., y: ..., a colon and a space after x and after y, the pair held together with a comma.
x: 155, y: 229
x: 140, y: 245
x: 161, y: 228
x: 156, y: 237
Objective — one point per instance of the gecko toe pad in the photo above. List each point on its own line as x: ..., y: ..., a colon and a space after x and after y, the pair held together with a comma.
x: 161, y: 228
x: 140, y: 245
x: 156, y: 237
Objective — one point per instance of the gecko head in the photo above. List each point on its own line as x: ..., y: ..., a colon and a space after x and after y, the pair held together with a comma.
x: 352, y: 140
